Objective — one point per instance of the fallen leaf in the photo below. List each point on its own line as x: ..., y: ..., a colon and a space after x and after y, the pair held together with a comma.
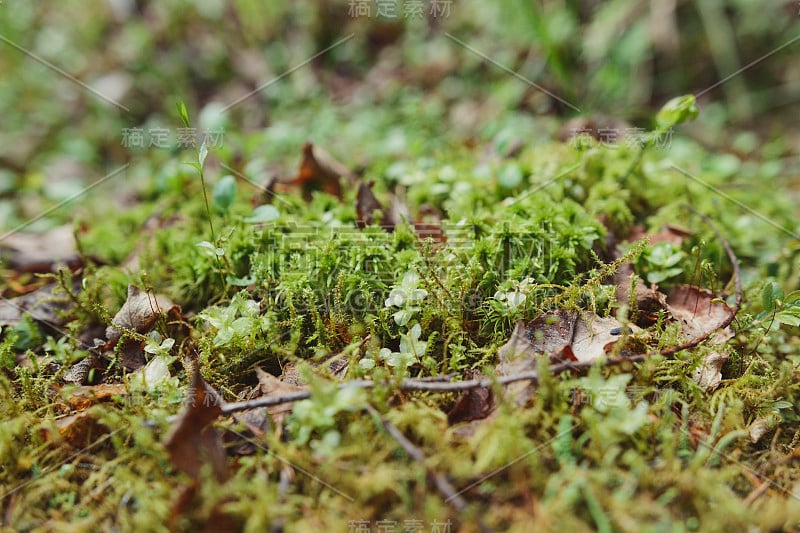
x: 46, y: 305
x: 41, y: 252
x: 193, y: 442
x: 367, y: 206
x: 709, y: 374
x: 82, y: 397
x: 698, y: 311
x: 760, y: 427
x: 648, y: 301
x: 474, y: 404
x: 561, y: 335
x: 139, y: 312
x: 80, y: 429
x: 319, y: 171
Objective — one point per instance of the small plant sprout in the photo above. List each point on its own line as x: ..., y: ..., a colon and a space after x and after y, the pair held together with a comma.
x: 156, y: 346
x: 406, y: 297
x: 201, y: 153
x: 514, y: 294
x: 411, y: 351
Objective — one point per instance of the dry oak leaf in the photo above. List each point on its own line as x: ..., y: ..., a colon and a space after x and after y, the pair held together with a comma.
x: 269, y: 385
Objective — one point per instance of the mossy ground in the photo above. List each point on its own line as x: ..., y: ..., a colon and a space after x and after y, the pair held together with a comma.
x: 633, y: 447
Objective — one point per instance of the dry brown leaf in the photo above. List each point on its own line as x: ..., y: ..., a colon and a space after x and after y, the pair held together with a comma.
x: 81, y: 398
x: 319, y: 171
x: 41, y: 252
x: 139, y: 312
x: 193, y: 442
x: 697, y: 310
x: 270, y: 385
x: 44, y: 305
x: 80, y: 429
x: 561, y: 335
x: 474, y: 404
x: 648, y: 300
x: 367, y: 206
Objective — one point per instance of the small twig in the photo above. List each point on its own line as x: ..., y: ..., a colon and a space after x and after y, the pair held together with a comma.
x: 426, y: 385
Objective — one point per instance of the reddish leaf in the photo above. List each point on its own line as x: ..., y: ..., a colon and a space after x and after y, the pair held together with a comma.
x: 319, y: 171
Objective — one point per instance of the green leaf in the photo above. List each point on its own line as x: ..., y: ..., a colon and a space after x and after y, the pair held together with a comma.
x: 510, y: 176
x: 219, y: 252
x: 787, y: 317
x: 202, y: 154
x: 224, y: 194
x: 677, y: 111
x: 770, y: 295
x: 263, y: 213
x: 183, y: 113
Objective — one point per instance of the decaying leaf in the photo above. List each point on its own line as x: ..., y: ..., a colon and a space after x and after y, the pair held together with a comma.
x: 709, y: 374
x: 193, y: 441
x: 269, y: 385
x: 474, y: 404
x: 561, y: 335
x: 760, y: 427
x: 139, y: 312
x: 588, y: 335
x: 319, y: 171
x: 647, y: 301
x: 698, y: 311
x: 367, y: 206
x: 81, y: 398
x: 45, y: 305
x: 40, y: 252
x: 81, y: 429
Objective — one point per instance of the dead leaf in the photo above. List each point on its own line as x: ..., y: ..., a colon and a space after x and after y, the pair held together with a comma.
x: 760, y: 427
x: 46, y: 305
x: 81, y: 398
x: 367, y: 206
x: 561, y: 335
x: 698, y: 311
x: 474, y: 404
x: 319, y: 171
x: 139, y: 312
x: 81, y: 370
x: 80, y: 429
x: 709, y: 374
x: 648, y: 300
x: 193, y: 442
x: 41, y: 252
x: 269, y: 385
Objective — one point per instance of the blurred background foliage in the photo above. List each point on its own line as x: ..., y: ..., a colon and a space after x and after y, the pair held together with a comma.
x: 622, y: 58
